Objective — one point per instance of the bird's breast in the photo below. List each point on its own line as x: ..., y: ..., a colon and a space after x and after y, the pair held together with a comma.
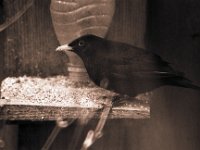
x: 96, y: 73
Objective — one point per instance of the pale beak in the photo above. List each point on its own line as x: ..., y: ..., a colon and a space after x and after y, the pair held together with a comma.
x: 64, y: 47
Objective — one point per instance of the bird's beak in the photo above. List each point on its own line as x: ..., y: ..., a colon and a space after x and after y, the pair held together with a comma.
x: 64, y: 47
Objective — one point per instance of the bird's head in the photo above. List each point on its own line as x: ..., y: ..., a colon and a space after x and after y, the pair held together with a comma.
x: 83, y: 46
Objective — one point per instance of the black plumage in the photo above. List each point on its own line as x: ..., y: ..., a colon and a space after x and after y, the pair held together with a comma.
x: 123, y: 68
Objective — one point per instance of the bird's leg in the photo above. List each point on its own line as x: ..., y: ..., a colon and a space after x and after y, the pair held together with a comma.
x: 94, y: 135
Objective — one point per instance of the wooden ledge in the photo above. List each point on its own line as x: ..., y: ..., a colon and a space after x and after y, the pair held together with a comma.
x: 42, y: 112
x: 34, y: 98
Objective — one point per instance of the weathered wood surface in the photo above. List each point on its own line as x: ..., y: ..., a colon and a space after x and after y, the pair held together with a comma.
x: 35, y: 98
x: 30, y: 41
x: 41, y: 113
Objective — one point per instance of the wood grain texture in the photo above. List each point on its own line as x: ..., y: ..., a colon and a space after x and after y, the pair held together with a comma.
x: 31, y: 41
x: 50, y: 113
x: 129, y: 22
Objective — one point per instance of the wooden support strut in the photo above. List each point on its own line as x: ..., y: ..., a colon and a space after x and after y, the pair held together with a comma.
x: 94, y: 135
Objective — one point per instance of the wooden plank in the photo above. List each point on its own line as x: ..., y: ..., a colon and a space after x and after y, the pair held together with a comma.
x: 35, y: 98
x: 41, y: 113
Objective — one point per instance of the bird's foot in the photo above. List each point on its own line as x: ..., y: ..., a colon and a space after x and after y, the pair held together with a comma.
x: 116, y: 100
x: 105, y: 100
x: 119, y: 100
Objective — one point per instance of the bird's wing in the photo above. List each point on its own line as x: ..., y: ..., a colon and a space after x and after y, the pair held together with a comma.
x: 123, y: 73
x: 129, y: 61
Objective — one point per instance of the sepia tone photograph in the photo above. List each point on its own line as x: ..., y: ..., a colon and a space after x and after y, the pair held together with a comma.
x: 99, y: 75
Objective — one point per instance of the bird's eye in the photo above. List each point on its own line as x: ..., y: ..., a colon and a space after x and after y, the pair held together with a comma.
x: 81, y: 43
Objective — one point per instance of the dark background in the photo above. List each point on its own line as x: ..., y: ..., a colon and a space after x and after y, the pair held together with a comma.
x: 170, y: 28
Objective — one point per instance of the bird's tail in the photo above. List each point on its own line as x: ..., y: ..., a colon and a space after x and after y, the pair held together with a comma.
x: 184, y: 82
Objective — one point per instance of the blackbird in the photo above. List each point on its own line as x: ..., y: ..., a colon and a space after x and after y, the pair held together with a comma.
x: 123, y: 68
